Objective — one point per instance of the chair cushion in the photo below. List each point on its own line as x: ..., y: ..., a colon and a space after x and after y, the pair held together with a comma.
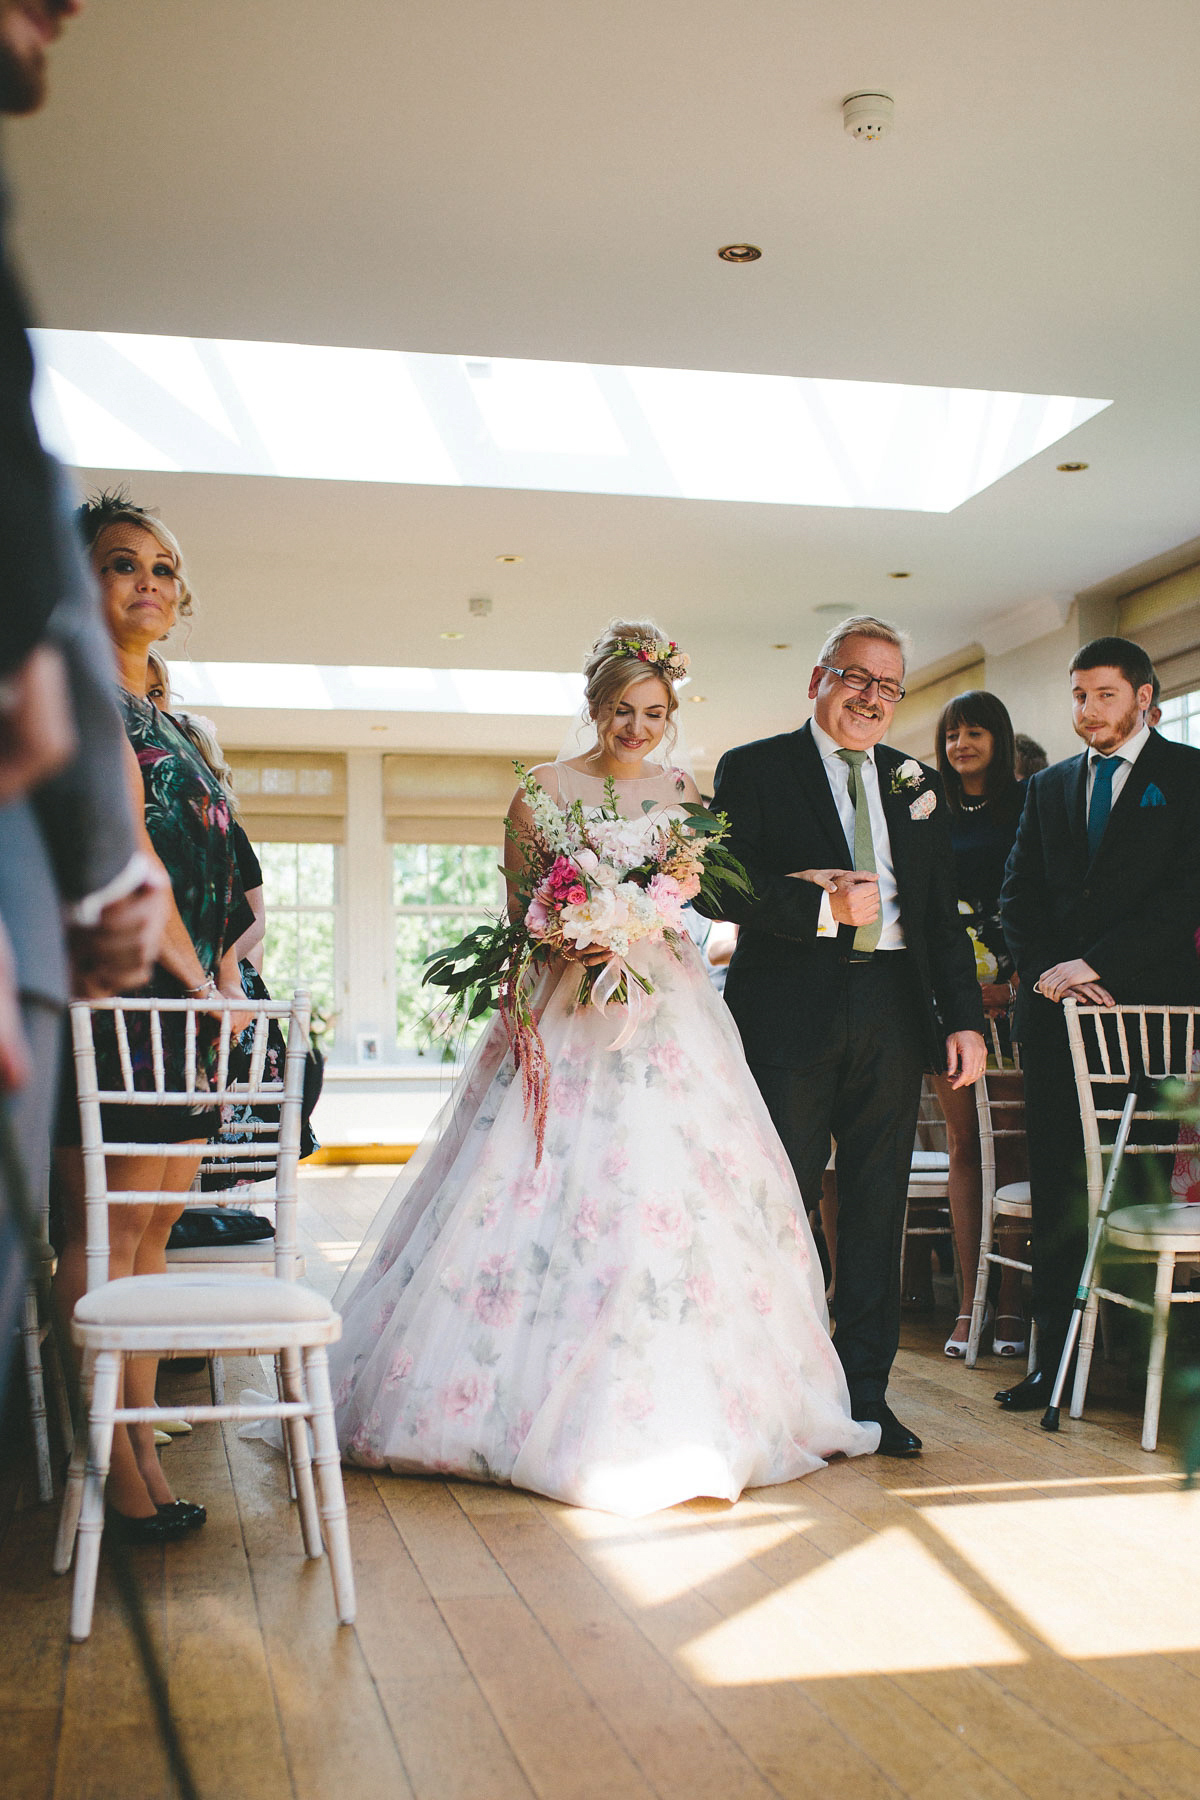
x: 927, y: 1161
x: 187, y: 1300
x: 1014, y: 1199
x: 1154, y: 1228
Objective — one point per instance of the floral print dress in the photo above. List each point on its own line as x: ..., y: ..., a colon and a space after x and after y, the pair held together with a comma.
x: 637, y: 1320
x: 188, y: 819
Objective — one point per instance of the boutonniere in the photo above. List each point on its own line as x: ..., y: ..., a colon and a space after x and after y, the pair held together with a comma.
x: 923, y: 805
x: 909, y: 774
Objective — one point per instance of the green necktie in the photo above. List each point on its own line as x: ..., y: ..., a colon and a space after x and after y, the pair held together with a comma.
x: 867, y: 936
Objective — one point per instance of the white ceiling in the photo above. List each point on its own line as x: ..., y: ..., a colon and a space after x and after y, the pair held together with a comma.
x: 521, y: 178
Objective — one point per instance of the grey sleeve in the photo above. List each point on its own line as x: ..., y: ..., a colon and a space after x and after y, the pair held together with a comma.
x: 84, y: 811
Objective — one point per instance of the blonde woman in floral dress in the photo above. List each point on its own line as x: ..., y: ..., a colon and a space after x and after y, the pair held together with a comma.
x: 639, y: 1317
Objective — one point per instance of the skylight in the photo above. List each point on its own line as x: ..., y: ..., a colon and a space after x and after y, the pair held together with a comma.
x: 306, y: 686
x: 114, y: 400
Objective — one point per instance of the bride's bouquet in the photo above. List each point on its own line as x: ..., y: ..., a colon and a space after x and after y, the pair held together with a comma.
x: 586, y: 885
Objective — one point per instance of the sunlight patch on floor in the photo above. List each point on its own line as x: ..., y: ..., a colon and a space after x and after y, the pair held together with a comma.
x: 887, y: 1606
x: 655, y: 1570
x: 1090, y: 1574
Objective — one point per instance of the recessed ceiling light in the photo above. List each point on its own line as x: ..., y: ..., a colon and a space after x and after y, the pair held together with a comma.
x: 1070, y: 468
x: 781, y: 646
x: 697, y: 699
x: 510, y: 558
x: 379, y: 728
x: 452, y: 636
x: 899, y: 574
x: 739, y: 253
x: 827, y: 609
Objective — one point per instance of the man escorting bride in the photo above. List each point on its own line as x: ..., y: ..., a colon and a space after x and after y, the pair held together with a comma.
x: 853, y: 972
x: 631, y: 1313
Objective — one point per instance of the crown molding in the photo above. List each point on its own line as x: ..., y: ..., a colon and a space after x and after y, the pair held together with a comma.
x: 1024, y: 624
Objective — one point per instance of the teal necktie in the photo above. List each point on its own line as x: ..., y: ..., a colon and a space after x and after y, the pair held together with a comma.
x: 867, y: 936
x: 1103, y: 770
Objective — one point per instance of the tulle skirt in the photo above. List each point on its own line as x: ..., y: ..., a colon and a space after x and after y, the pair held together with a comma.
x: 637, y: 1319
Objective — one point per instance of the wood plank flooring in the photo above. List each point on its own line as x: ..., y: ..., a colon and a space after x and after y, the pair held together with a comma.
x: 1011, y: 1615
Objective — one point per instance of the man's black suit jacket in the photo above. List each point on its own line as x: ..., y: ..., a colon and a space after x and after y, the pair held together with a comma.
x: 783, y: 817
x: 1132, y: 913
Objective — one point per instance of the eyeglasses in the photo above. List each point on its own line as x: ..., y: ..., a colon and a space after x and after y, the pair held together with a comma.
x: 860, y: 682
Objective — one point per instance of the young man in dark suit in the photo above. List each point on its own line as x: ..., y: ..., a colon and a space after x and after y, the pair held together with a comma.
x: 1101, y: 900
x: 852, y: 974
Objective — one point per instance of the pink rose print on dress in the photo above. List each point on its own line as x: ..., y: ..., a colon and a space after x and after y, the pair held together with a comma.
x: 664, y: 1224
x: 518, y: 1431
x: 529, y: 1193
x: 760, y: 1298
x: 615, y: 1164
x: 464, y: 1397
x: 364, y: 1444
x: 701, y: 1290
x: 496, y: 1300
x: 670, y: 1062
x: 490, y: 1212
x: 383, y: 1315
x: 796, y: 1224
x: 401, y: 1365
x: 587, y: 1221
x: 637, y: 1403
x: 344, y: 1389
x: 568, y: 1094
x: 737, y: 1416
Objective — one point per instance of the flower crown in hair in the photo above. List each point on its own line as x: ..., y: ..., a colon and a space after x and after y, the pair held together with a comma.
x: 667, y: 660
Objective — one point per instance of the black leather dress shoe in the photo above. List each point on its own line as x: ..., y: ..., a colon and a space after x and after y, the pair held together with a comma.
x: 154, y: 1530
x: 188, y: 1513
x: 1032, y: 1394
x: 895, y: 1439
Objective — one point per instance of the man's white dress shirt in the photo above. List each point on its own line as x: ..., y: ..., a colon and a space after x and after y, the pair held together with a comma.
x: 837, y: 773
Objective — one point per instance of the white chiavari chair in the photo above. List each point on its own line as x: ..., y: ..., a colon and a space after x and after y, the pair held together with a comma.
x: 200, y: 1313
x: 1000, y: 1104
x: 1112, y: 1050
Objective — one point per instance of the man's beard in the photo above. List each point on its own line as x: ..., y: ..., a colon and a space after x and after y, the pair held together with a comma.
x: 1116, y: 734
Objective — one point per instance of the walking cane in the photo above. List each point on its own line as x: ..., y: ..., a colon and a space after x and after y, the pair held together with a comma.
x: 1083, y: 1292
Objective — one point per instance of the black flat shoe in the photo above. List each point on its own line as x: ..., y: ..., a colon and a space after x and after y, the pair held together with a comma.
x: 154, y: 1530
x: 1032, y: 1394
x: 188, y: 1513
x: 895, y: 1439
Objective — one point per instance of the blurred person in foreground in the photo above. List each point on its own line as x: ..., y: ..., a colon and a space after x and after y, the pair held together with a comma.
x: 1101, y: 901
x: 80, y: 904
x: 186, y: 819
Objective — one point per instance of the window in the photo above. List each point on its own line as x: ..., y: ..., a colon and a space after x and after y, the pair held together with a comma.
x: 300, y: 889
x: 1181, y: 718
x: 439, y: 892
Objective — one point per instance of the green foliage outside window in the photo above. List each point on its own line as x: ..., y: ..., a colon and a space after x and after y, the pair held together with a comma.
x: 299, y: 887
x: 439, y: 891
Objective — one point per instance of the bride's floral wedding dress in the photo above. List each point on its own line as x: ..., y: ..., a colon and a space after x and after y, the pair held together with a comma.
x: 637, y: 1320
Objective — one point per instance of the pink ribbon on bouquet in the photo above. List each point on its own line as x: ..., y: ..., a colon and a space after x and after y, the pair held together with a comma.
x: 606, y: 985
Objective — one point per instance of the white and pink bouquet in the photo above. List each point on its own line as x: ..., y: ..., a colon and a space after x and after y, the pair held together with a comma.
x: 586, y: 885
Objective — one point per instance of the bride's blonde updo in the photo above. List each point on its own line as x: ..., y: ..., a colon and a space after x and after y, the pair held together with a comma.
x: 627, y: 652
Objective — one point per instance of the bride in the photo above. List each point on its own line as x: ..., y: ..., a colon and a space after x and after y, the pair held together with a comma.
x: 639, y: 1318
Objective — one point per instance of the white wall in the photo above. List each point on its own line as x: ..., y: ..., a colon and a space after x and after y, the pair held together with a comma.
x: 1032, y: 682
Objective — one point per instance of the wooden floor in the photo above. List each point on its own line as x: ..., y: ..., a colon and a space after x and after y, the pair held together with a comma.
x: 1013, y: 1614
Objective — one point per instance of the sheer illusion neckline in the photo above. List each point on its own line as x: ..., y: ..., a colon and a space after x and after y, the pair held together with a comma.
x: 664, y: 786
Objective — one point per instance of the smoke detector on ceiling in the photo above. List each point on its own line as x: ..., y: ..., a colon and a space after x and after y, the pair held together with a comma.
x: 868, y: 115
